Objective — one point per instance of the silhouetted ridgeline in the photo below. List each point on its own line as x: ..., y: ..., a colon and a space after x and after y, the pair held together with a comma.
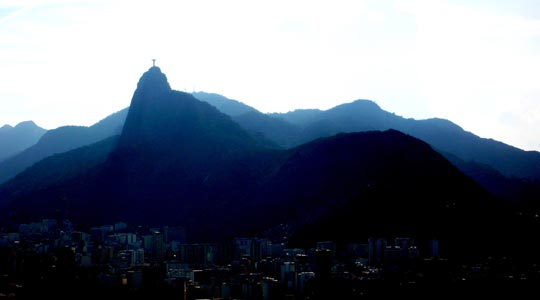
x: 61, y: 140
x: 514, y: 173
x: 443, y: 135
x: 180, y: 161
x: 15, y: 139
x: 504, y: 170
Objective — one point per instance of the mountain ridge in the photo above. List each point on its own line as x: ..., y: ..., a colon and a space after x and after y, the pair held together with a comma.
x: 62, y: 139
x: 180, y: 161
x: 519, y: 170
x: 15, y: 139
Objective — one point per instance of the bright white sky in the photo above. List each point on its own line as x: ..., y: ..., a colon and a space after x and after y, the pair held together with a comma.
x: 474, y: 62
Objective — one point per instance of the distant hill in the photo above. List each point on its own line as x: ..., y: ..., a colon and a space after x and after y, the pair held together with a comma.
x: 299, y: 116
x: 504, y: 170
x: 282, y: 133
x: 514, y: 174
x: 359, y: 185
x: 15, y: 139
x: 304, y: 125
x: 58, y: 170
x: 443, y: 135
x: 227, y: 106
x: 180, y: 161
x: 60, y: 140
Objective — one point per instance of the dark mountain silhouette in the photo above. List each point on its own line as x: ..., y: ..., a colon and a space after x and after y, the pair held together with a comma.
x: 443, y: 135
x: 60, y: 140
x: 508, y: 160
x: 15, y: 139
x: 179, y: 158
x: 298, y: 116
x: 304, y: 125
x: 383, y: 184
x: 504, y: 170
x: 174, y: 156
x: 523, y: 193
x: 282, y: 133
x: 160, y: 117
x: 227, y: 106
x: 59, y: 170
x: 180, y: 161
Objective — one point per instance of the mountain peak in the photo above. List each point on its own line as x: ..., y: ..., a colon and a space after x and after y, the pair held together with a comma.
x: 161, y: 120
x: 6, y: 127
x: 15, y: 139
x: 152, y: 83
x: 26, y: 124
x: 365, y: 103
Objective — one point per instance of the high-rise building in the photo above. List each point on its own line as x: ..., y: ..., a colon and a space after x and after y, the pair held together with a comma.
x: 260, y: 248
x: 242, y: 247
x: 202, y: 254
x: 301, y: 279
x: 393, y: 255
x: 147, y: 242
x: 408, y: 249
x: 139, y: 257
x: 376, y: 247
x: 159, y: 246
x: 323, y: 264
x: 154, y: 245
x: 287, y: 274
x: 434, y: 248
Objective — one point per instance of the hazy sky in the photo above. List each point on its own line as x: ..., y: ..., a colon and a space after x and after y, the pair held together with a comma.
x: 474, y: 62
